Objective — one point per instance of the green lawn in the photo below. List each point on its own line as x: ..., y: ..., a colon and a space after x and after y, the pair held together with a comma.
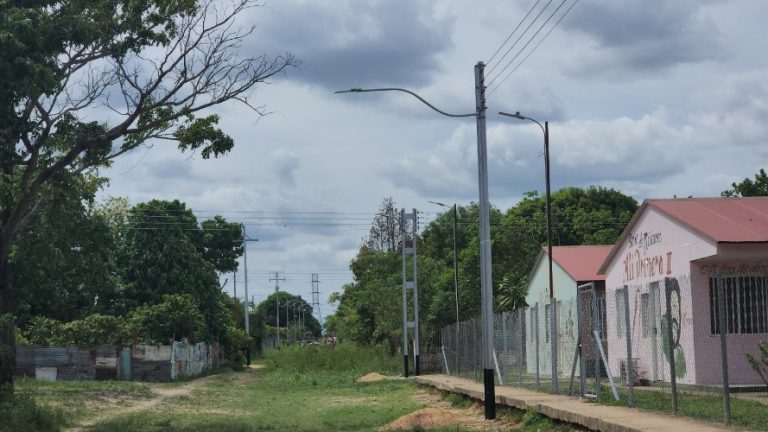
x: 310, y: 389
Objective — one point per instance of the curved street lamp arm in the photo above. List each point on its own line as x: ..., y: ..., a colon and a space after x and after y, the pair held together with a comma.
x: 517, y: 115
x: 385, y: 89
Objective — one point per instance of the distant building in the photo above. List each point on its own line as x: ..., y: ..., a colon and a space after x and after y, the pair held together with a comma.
x: 571, y: 266
x: 683, y: 243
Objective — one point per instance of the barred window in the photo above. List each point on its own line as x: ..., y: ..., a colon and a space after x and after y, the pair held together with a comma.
x: 620, y: 313
x: 746, y: 305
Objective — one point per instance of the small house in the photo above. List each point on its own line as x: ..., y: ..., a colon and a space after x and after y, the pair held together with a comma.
x: 571, y: 266
x: 675, y: 249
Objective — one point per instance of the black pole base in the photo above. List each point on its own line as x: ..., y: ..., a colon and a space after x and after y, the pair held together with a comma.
x: 405, y: 364
x: 417, y: 369
x: 490, y: 394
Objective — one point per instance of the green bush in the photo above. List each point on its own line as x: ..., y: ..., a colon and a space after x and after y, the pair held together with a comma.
x: 760, y: 365
x: 44, y: 331
x: 21, y: 413
x: 173, y: 319
x: 233, y: 342
x: 95, y: 330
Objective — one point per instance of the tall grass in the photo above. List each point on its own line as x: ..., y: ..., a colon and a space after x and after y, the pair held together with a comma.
x: 344, y: 357
x: 19, y: 412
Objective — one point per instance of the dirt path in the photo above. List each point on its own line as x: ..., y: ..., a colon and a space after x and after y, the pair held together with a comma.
x: 161, y: 395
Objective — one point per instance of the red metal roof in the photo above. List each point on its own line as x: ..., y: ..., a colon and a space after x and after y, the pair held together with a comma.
x: 580, y: 262
x: 723, y: 220
x: 727, y: 220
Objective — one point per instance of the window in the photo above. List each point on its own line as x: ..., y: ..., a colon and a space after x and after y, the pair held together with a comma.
x: 746, y: 305
x: 620, y: 313
x: 645, y: 316
x: 547, y: 325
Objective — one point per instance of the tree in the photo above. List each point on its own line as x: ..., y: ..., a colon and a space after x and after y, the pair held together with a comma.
x: 385, y: 234
x: 749, y: 188
x: 266, y: 312
x: 155, y: 64
x: 222, y: 243
x: 62, y: 264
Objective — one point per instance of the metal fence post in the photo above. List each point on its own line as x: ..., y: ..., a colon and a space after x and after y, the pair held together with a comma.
x: 579, y: 330
x: 522, y: 353
x: 629, y: 366
x: 553, y: 347
x: 596, y: 325
x: 536, y: 348
x: 723, y: 346
x: 670, y: 338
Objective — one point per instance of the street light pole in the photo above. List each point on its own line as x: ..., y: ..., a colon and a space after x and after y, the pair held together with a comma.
x: 485, y: 231
x: 548, y: 203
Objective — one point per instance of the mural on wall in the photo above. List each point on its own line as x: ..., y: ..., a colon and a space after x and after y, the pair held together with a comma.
x: 675, y: 322
x: 638, y: 264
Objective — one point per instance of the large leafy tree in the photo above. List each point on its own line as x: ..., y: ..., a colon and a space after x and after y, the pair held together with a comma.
x: 290, y: 305
x: 749, y: 188
x: 63, y: 264
x: 155, y: 65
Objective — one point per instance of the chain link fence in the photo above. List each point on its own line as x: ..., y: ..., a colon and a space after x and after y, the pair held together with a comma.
x: 695, y: 345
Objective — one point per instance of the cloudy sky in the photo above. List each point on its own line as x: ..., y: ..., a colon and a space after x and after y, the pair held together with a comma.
x: 653, y: 98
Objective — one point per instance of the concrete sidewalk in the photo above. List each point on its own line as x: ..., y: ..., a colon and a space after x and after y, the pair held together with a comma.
x: 573, y: 410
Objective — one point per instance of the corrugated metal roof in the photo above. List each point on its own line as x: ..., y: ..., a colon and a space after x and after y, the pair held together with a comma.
x: 727, y: 220
x: 580, y: 262
x: 723, y: 220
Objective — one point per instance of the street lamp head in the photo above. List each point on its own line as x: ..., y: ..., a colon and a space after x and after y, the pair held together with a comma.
x: 516, y: 115
x: 438, y: 203
x: 352, y: 90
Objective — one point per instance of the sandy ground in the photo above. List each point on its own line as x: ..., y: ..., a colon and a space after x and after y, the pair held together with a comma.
x: 439, y: 413
x: 161, y: 394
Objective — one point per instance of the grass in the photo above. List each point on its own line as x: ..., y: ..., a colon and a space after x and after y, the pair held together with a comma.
x: 695, y: 403
x: 80, y: 399
x: 744, y: 413
x: 299, y: 390
x: 20, y: 412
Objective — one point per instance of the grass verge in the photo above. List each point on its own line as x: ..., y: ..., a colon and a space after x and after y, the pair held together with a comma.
x: 300, y: 389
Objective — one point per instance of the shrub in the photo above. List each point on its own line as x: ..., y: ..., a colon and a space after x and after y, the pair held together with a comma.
x: 760, y: 366
x: 95, y: 330
x: 43, y: 331
x: 173, y: 319
x: 21, y: 413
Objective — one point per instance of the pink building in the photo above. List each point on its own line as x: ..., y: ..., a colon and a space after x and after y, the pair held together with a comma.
x: 687, y: 241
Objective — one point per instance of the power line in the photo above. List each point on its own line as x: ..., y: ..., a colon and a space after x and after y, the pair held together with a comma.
x: 518, y: 40
x: 510, y: 36
x: 534, y: 48
x: 520, y: 51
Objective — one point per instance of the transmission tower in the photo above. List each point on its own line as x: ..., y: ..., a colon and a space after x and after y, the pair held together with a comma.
x: 316, y: 298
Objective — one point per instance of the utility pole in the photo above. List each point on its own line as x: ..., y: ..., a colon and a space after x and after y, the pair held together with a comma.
x: 245, y: 239
x: 485, y: 231
x: 316, y: 298
x: 486, y: 288
x: 277, y: 278
x: 410, y: 285
x: 234, y: 295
